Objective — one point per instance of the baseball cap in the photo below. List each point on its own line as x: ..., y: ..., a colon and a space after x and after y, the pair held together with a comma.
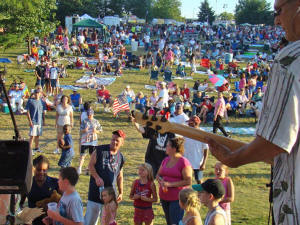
x: 120, y: 133
x: 90, y: 112
x: 212, y: 186
x: 178, y: 105
x: 128, y: 86
x: 163, y: 83
x: 206, y: 96
x: 195, y: 119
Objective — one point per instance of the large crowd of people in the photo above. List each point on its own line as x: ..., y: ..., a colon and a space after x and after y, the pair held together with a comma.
x: 171, y: 161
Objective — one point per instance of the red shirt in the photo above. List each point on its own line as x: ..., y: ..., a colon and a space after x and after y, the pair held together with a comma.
x: 104, y: 94
x: 185, y: 93
x: 143, y: 190
x: 209, y: 106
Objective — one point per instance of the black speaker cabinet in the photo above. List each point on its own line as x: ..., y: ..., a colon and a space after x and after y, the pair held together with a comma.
x: 15, y: 167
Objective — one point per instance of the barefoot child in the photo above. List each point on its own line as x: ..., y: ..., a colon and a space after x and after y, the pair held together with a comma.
x: 69, y: 209
x: 109, y: 212
x: 67, y: 149
x: 221, y: 172
x: 143, y: 192
x: 189, y: 202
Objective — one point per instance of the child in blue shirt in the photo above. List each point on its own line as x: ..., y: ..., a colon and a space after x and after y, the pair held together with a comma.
x: 66, y: 145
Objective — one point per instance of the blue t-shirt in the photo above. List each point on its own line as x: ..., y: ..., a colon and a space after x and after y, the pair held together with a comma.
x: 75, y: 99
x: 68, y: 141
x: 38, y: 193
x: 70, y: 207
x: 36, y: 109
x: 108, y: 167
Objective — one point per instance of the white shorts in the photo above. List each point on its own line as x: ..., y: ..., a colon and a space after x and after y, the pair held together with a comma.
x: 36, y: 130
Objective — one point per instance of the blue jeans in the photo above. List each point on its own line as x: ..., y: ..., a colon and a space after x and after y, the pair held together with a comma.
x: 140, y: 107
x: 173, y: 212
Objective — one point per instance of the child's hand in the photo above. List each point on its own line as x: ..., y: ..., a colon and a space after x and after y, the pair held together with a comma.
x: 144, y: 198
x: 46, y: 220
x: 136, y: 196
x: 53, y: 215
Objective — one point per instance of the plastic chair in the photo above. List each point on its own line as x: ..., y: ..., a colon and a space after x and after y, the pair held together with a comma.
x: 168, y: 76
x: 154, y: 75
x: 236, y: 85
x: 205, y: 63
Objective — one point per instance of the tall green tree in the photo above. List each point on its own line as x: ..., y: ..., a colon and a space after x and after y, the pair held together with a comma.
x: 167, y: 9
x: 69, y: 8
x: 26, y: 19
x: 141, y: 8
x: 226, y: 16
x: 253, y: 12
x: 206, y: 13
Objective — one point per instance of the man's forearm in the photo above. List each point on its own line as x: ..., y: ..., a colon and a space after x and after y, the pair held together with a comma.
x: 257, y: 151
x: 120, y: 184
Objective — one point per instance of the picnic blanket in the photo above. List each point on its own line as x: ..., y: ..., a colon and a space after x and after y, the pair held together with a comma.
x: 201, y: 72
x: 182, y: 78
x: 100, y: 80
x: 235, y: 130
x: 71, y: 87
x: 150, y: 87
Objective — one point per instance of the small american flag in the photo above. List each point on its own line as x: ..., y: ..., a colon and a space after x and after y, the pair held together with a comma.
x: 120, y: 104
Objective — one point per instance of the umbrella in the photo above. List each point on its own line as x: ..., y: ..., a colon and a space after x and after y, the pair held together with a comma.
x: 217, y: 80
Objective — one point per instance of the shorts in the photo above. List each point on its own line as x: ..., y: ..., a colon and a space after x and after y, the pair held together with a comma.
x: 143, y: 215
x: 83, y: 149
x: 36, y: 130
x: 59, y: 129
x: 102, y: 100
x: 47, y: 80
x: 198, y: 174
x: 53, y: 83
x: 66, y: 158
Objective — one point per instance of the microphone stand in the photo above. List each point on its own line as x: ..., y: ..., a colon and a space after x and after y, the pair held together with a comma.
x: 10, y: 219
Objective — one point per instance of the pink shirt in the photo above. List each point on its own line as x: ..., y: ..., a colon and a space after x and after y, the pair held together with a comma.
x: 220, y: 103
x: 242, y: 83
x: 172, y: 175
x: 225, y: 206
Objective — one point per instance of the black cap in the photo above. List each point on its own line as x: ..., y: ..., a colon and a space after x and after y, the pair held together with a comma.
x: 212, y: 186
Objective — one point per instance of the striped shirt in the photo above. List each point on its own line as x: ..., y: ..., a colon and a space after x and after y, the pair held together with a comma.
x: 279, y: 124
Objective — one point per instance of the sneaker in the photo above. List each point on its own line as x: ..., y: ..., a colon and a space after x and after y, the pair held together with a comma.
x: 105, y: 109
x: 38, y: 150
x: 79, y: 170
x: 56, y: 151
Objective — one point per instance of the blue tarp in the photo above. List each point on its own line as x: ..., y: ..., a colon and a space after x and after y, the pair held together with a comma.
x: 4, y: 60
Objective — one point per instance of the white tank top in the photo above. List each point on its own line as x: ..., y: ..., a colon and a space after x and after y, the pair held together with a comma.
x: 211, y: 214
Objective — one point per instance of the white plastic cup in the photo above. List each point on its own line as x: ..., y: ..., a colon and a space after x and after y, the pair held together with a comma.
x: 52, y: 206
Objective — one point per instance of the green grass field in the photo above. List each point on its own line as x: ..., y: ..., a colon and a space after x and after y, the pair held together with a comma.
x: 251, y: 195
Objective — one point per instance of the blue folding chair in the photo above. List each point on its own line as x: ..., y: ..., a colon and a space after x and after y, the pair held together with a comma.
x: 259, y: 84
x: 236, y: 85
x: 168, y: 76
x: 154, y: 75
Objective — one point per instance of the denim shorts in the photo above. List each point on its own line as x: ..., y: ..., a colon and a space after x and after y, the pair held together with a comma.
x: 66, y: 158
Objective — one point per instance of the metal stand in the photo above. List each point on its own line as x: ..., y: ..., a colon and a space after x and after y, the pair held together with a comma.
x: 10, y: 219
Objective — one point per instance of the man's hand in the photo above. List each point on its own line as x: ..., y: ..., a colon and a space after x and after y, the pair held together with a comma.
x: 120, y: 198
x: 99, y: 182
x: 30, y: 124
